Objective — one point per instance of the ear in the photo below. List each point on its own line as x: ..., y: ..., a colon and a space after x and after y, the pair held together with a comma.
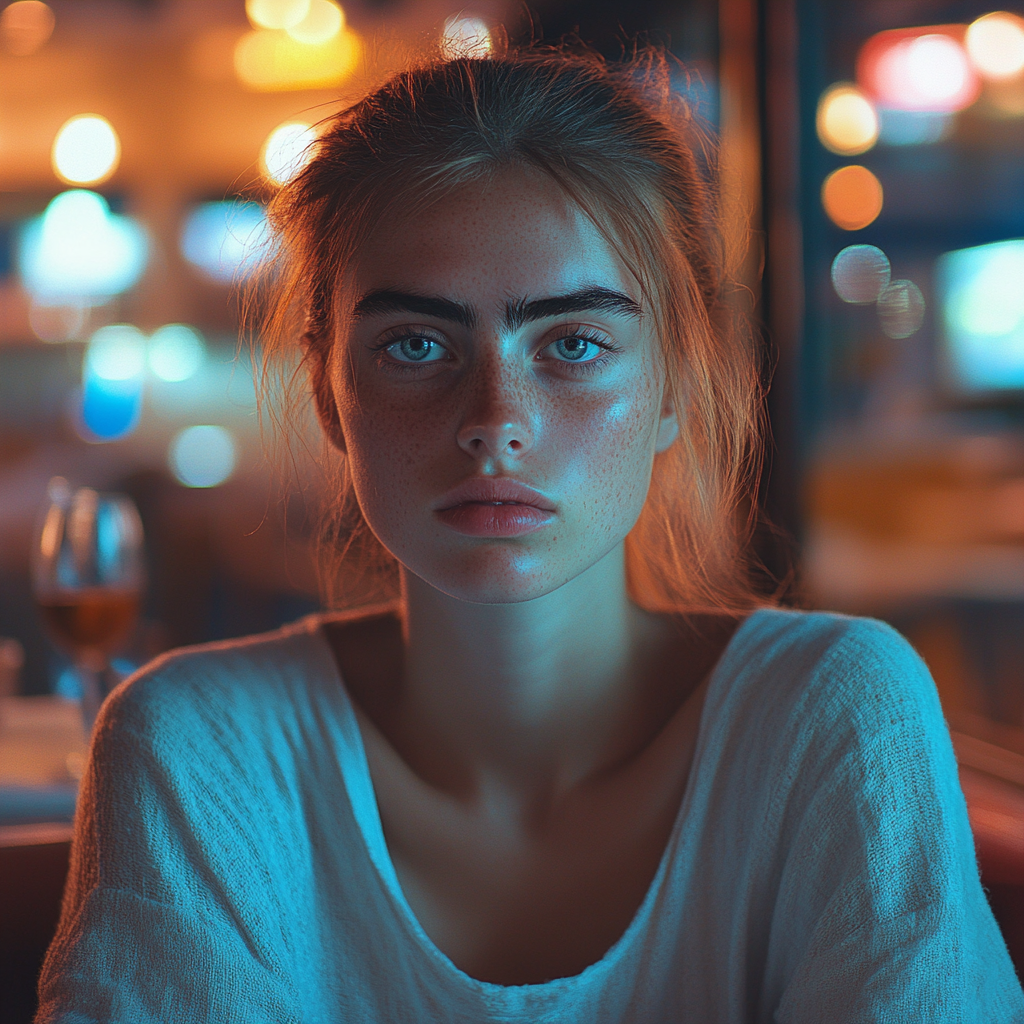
x: 668, y: 425
x: 317, y: 357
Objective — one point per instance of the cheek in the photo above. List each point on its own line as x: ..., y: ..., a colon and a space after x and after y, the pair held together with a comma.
x: 393, y: 437
x: 609, y: 448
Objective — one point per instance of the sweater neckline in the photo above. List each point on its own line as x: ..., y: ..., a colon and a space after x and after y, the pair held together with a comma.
x: 362, y: 796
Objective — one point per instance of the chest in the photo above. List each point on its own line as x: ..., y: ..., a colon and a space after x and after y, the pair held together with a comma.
x: 517, y: 902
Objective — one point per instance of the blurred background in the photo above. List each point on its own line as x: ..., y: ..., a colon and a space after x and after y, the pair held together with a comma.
x: 874, y: 153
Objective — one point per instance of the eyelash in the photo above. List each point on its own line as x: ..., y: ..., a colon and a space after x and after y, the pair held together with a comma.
x: 590, y: 365
x: 380, y: 351
x: 587, y: 367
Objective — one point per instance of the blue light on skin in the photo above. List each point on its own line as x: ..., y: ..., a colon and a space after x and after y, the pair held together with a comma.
x: 982, y: 303
x: 225, y: 239
x: 79, y: 251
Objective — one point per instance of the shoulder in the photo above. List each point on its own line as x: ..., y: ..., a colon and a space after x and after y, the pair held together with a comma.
x: 224, y: 687
x: 804, y: 692
x: 855, y: 667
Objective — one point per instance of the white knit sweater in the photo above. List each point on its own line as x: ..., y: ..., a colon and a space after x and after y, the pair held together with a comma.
x: 229, y: 863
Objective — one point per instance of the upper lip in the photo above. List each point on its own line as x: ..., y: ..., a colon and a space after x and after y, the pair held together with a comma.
x: 493, y: 491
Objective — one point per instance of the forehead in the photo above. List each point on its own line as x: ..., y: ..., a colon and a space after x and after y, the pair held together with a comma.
x: 512, y: 234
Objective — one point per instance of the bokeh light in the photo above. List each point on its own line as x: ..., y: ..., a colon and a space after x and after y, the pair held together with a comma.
x: 225, y: 239
x: 176, y: 352
x: 26, y: 26
x: 202, y: 456
x: 112, y: 382
x: 913, y: 127
x: 852, y: 197
x: 288, y: 149
x: 57, y: 323
x: 323, y: 21
x: 269, y: 61
x: 981, y: 292
x: 467, y: 37
x: 117, y: 352
x: 847, y: 123
x: 276, y: 13
x: 995, y: 44
x: 918, y: 70
x: 860, y: 273
x: 901, y: 309
x: 79, y: 250
x: 86, y: 150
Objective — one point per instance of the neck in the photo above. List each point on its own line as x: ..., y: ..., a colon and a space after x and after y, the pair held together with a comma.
x: 536, y: 693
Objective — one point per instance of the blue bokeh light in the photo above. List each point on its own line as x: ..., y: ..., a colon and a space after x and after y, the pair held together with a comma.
x: 113, y: 375
x: 77, y: 251
x: 225, y: 239
x: 202, y: 456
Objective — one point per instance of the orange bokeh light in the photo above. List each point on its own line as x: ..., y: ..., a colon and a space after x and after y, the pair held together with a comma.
x: 852, y: 197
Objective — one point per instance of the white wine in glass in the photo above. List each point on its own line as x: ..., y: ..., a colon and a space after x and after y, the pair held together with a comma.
x: 88, y: 578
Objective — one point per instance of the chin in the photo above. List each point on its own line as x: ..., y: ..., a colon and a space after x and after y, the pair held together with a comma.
x: 492, y: 574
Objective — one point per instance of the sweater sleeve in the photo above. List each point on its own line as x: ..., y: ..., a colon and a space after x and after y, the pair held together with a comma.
x: 155, y: 925
x: 883, y: 909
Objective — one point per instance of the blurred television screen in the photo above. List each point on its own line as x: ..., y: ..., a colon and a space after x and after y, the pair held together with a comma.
x: 981, y: 297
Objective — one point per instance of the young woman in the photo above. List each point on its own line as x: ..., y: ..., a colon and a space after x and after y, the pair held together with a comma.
x: 576, y: 771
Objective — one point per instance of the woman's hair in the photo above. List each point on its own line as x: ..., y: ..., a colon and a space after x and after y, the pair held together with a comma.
x: 625, y: 148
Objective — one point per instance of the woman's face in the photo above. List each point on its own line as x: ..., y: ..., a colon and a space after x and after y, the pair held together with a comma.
x: 499, y: 391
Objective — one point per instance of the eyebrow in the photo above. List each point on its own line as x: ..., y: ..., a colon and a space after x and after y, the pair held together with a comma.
x: 587, y: 300
x: 517, y: 311
x: 388, y: 301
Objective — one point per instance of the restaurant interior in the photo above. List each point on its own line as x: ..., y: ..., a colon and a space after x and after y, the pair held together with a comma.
x: 872, y: 163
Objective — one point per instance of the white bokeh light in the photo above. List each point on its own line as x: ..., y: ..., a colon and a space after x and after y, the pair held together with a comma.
x: 323, y: 21
x: 202, y: 456
x: 276, y: 13
x: 176, y: 352
x: 995, y: 44
x: 86, y: 150
x: 466, y: 37
x: 288, y: 149
x: 927, y: 72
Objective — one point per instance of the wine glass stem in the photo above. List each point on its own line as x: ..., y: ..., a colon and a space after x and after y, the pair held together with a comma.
x: 94, y: 691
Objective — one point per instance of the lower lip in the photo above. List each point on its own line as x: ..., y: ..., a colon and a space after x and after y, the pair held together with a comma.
x: 479, y: 519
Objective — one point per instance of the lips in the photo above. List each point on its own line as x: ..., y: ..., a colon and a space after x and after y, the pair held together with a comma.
x: 494, y: 508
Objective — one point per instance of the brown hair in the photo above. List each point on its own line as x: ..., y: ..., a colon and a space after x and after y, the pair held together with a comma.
x: 625, y: 148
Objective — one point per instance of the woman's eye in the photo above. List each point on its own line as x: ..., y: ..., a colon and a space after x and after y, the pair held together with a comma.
x: 416, y: 350
x: 575, y: 349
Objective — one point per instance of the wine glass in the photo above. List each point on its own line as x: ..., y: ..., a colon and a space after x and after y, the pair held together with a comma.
x: 88, y: 577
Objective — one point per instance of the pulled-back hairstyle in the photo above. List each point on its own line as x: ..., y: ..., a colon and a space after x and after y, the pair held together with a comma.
x: 624, y: 147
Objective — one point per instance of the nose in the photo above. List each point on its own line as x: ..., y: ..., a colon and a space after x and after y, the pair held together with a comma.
x: 498, y: 420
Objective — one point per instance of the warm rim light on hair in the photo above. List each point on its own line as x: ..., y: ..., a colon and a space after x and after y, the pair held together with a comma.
x: 995, y: 44
x: 86, y: 150
x: 852, y: 197
x: 847, y: 123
